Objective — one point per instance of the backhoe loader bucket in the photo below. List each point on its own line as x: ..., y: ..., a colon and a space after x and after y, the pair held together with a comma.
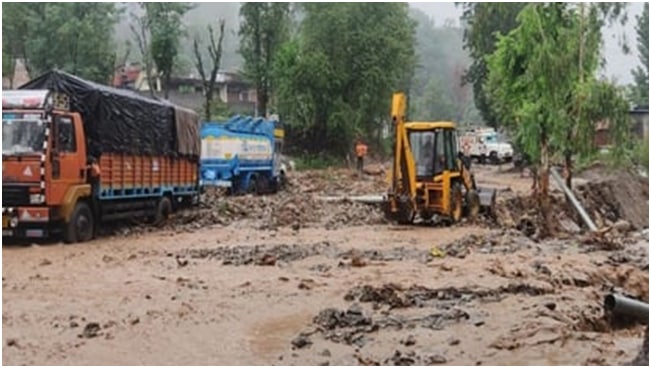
x: 487, y: 200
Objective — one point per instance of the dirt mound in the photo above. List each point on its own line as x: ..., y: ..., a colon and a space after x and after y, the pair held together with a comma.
x: 622, y: 195
x: 611, y: 198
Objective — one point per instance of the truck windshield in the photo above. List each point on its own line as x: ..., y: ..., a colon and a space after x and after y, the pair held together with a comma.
x: 22, y: 136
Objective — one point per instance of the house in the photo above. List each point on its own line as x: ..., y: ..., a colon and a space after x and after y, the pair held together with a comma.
x: 639, y: 119
x: 238, y: 95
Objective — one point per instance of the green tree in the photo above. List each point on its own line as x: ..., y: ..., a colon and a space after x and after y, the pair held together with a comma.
x: 335, y: 79
x: 165, y: 26
x: 483, y: 22
x: 264, y: 27
x: 542, y: 79
x: 75, y: 37
x: 641, y: 74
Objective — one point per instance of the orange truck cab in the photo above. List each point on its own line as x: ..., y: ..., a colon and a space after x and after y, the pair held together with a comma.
x: 51, y: 184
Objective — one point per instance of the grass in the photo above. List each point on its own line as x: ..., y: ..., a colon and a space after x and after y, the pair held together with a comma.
x: 316, y: 162
x: 636, y: 156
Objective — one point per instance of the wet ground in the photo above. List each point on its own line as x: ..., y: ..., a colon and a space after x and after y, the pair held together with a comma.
x: 289, y: 280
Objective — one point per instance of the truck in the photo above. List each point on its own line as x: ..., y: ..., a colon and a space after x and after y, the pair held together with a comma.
x: 76, y: 153
x: 485, y: 144
x: 243, y: 154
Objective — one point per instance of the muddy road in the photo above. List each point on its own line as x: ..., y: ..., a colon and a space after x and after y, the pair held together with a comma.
x: 290, y: 280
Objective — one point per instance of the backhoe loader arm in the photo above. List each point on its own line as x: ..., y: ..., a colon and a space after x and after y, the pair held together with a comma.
x: 403, y: 181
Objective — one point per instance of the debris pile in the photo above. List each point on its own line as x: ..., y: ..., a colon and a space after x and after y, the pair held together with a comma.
x: 617, y: 200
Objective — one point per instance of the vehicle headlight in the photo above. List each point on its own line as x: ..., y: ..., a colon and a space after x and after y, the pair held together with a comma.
x: 36, y: 198
x: 13, y: 222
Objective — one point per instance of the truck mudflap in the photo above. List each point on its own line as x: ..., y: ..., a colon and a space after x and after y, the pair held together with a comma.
x: 28, y: 222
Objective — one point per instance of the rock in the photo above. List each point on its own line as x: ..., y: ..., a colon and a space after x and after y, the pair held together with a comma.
x: 325, y: 353
x: 12, y: 342
x: 454, y: 341
x: 45, y: 262
x: 409, y: 341
x: 622, y: 226
x: 91, y: 330
x: 301, y: 341
x: 435, y: 359
x: 550, y: 305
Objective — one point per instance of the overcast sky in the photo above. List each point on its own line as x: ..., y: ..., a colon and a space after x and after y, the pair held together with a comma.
x: 618, y: 65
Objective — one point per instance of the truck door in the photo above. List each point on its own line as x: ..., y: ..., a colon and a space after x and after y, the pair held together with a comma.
x: 68, y: 159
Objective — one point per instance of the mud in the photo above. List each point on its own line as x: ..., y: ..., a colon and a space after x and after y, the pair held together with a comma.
x: 288, y: 279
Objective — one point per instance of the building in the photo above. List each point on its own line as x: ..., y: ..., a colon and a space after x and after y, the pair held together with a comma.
x: 639, y: 118
x: 238, y: 95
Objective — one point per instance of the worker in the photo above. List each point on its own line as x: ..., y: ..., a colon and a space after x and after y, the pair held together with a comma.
x: 360, y: 149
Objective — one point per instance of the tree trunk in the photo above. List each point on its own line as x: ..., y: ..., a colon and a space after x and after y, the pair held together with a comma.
x: 166, y: 90
x: 262, y: 101
x: 208, y: 105
x: 543, y: 193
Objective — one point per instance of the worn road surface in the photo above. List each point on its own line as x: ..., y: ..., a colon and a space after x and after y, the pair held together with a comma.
x: 244, y: 294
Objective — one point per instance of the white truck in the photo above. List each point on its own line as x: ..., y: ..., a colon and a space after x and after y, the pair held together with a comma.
x: 485, y: 144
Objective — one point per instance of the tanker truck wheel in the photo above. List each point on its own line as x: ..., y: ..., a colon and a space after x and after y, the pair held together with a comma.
x: 163, y: 211
x: 81, y: 225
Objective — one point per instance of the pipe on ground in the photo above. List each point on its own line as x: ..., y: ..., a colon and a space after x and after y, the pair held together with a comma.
x: 621, y: 305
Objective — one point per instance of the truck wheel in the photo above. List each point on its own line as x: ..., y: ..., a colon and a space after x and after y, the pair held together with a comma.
x: 81, y: 225
x: 261, y: 185
x: 163, y: 211
x: 252, y: 188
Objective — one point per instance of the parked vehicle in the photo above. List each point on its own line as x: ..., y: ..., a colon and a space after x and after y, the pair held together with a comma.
x: 484, y: 145
x: 243, y: 154
x: 75, y: 153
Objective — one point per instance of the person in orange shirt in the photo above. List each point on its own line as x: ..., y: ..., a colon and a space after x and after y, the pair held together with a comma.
x: 360, y: 149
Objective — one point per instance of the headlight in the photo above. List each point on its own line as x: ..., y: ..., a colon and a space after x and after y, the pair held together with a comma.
x: 13, y: 222
x: 36, y: 198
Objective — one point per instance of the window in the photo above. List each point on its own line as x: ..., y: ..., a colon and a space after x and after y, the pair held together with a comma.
x: 66, y: 141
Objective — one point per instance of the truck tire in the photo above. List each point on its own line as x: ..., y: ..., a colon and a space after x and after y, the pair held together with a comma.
x: 261, y: 185
x: 163, y: 211
x: 81, y: 226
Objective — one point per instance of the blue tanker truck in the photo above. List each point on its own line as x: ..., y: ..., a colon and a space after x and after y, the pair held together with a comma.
x: 243, y: 154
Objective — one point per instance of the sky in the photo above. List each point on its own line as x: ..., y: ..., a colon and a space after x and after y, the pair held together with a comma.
x: 618, y: 65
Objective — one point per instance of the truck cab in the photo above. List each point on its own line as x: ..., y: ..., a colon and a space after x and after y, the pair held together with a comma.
x: 43, y: 162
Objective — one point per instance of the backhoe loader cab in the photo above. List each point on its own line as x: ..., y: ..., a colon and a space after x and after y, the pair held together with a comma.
x: 429, y: 176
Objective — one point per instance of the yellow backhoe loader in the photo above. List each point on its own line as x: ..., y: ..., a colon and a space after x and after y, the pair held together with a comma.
x: 430, y: 176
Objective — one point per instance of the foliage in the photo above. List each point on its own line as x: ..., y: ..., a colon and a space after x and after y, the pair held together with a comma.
x: 265, y: 26
x: 163, y: 21
x: 316, y: 162
x: 209, y: 82
x: 641, y: 74
x: 74, y: 37
x: 483, y: 22
x: 336, y: 77
x: 543, y: 79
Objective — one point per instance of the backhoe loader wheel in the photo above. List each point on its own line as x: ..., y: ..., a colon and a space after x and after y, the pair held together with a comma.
x: 81, y: 226
x: 472, y: 204
x: 405, y: 215
x: 456, y: 203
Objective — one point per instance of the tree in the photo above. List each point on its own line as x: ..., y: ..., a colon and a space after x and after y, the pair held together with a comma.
x: 81, y: 32
x: 215, y: 53
x: 264, y: 27
x: 542, y: 79
x: 158, y: 32
x: 483, y: 22
x: 641, y: 74
x: 335, y: 79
